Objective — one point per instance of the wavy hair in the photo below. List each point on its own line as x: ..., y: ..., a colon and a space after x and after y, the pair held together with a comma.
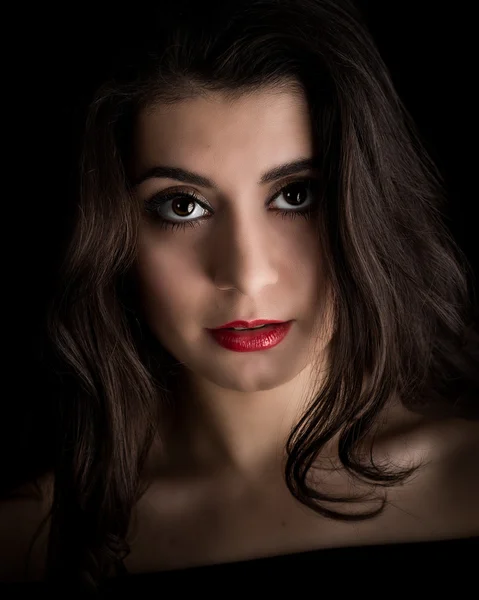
x: 404, y: 297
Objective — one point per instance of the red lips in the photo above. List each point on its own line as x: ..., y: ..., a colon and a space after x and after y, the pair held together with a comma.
x: 248, y: 324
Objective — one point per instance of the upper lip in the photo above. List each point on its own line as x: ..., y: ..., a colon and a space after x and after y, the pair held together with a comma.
x: 247, y: 323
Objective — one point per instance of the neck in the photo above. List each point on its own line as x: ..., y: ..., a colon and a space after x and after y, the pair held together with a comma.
x: 214, y: 430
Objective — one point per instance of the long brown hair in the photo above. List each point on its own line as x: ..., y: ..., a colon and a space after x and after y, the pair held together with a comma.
x: 403, y: 290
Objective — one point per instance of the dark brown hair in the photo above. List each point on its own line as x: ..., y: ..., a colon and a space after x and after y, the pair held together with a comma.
x: 403, y: 290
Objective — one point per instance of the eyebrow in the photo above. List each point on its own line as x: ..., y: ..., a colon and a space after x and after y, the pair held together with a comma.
x: 289, y: 168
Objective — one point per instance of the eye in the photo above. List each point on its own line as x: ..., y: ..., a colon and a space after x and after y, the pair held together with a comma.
x: 170, y: 209
x: 177, y: 205
x: 297, y: 195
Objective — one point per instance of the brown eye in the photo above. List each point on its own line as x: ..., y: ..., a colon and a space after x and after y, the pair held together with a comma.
x: 301, y: 194
x: 171, y: 208
x: 183, y: 207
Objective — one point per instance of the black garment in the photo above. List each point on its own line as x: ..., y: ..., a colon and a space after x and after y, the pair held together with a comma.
x: 458, y: 557
x: 423, y: 570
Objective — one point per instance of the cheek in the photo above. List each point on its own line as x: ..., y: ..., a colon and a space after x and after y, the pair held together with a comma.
x: 168, y: 279
x: 304, y: 259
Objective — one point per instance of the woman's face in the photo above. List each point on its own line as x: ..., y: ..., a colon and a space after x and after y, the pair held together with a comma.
x: 268, y: 266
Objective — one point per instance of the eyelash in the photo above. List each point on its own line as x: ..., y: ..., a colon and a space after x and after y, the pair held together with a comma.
x: 153, y: 204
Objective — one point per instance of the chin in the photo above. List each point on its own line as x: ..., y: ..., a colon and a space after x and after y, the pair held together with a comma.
x: 249, y: 379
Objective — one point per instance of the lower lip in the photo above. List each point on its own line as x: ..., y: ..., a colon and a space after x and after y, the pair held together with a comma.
x: 252, y: 340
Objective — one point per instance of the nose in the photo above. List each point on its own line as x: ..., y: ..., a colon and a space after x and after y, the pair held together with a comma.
x: 244, y: 256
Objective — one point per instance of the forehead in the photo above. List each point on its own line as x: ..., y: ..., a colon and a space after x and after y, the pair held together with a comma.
x: 272, y: 122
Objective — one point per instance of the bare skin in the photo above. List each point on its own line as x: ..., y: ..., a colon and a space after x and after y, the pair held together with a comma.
x: 224, y: 519
x: 184, y: 521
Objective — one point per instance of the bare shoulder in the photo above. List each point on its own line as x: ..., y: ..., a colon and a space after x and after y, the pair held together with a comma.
x: 442, y: 497
x: 20, y: 518
x: 461, y: 460
x: 452, y: 488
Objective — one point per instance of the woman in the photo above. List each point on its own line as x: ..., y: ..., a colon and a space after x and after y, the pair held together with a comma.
x: 351, y: 420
